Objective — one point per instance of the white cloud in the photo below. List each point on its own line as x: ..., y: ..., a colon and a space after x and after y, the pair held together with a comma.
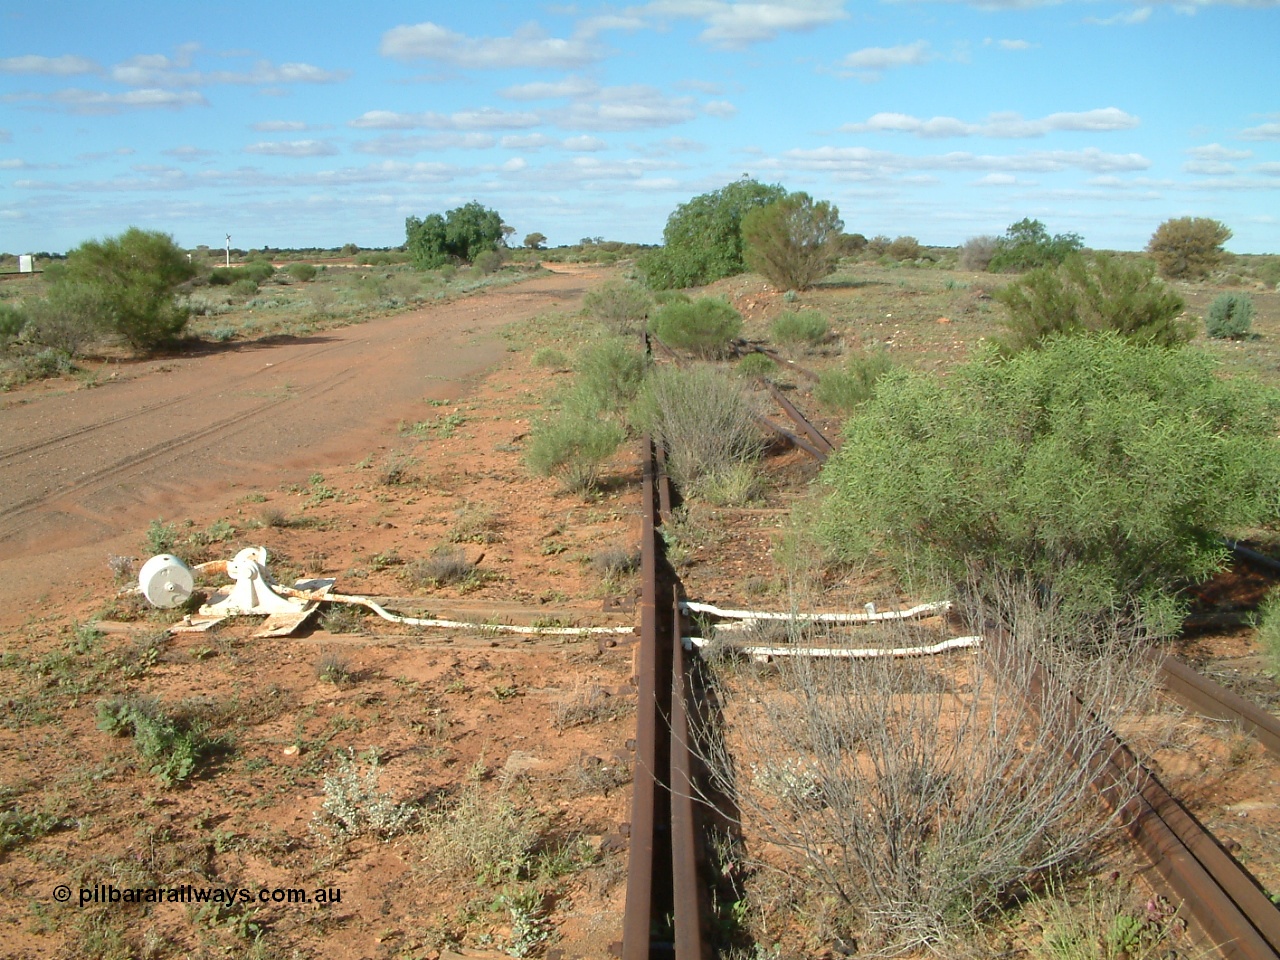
x: 997, y: 180
x: 293, y: 148
x: 997, y: 125
x: 729, y: 24
x: 395, y: 144
x: 514, y: 164
x: 1268, y: 169
x: 864, y: 163
x: 572, y: 86
x: 1267, y: 131
x: 719, y: 108
x: 584, y: 144
x: 529, y: 47
x: 278, y: 126
x: 188, y: 152
x: 485, y: 118
x: 876, y: 59
x: 1131, y: 18
x: 1011, y: 44
x: 159, y: 70
x: 627, y: 108
x: 13, y: 163
x: 64, y: 66
x: 93, y: 101
x: 1216, y: 151
x: 526, y: 141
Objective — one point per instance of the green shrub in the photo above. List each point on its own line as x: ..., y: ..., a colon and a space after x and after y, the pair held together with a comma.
x: 301, y: 272
x: 69, y: 318
x: 1268, y: 624
x: 755, y: 365
x: 259, y: 271
x: 1093, y: 469
x: 846, y: 388
x: 549, y: 358
x: 702, y: 241
x: 1092, y: 294
x: 610, y: 373
x: 131, y: 280
x: 622, y: 307
x: 1027, y: 245
x: 462, y: 234
x: 703, y: 327
x: 12, y: 320
x: 573, y: 446
x: 976, y: 252
x: 805, y: 326
x: 905, y: 248
x: 703, y: 418
x: 245, y: 287
x: 488, y: 261
x: 794, y: 242
x: 175, y: 749
x: 1230, y: 317
x: 1188, y: 248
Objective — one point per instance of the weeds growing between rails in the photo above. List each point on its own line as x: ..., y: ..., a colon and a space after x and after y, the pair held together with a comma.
x: 917, y: 794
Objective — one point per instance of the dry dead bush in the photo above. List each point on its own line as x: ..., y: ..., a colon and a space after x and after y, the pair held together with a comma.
x: 917, y: 793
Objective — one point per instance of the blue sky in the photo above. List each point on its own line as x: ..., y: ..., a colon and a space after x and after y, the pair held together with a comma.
x: 318, y: 124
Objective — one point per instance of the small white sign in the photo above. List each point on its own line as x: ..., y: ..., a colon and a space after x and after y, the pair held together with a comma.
x: 26, y: 263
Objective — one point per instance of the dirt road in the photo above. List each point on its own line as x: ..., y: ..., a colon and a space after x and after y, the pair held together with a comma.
x: 83, y: 472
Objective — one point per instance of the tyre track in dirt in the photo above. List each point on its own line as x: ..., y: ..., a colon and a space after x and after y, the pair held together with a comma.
x: 82, y: 472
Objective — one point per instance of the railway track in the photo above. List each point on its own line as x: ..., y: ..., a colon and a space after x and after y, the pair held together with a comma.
x: 665, y: 916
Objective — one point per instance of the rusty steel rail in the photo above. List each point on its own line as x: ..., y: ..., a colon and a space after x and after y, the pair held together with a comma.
x: 1207, y: 697
x: 664, y: 915
x: 1227, y: 903
x: 819, y: 441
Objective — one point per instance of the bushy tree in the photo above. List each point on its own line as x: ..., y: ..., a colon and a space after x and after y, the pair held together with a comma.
x: 534, y: 241
x: 793, y: 242
x: 461, y: 234
x: 976, y: 252
x: 703, y: 240
x: 129, y: 282
x: 1092, y: 294
x: 905, y: 248
x: 1027, y: 245
x: 1189, y: 247
x: 1094, y: 470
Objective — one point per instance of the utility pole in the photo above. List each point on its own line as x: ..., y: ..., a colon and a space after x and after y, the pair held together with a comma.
x: 228, y: 249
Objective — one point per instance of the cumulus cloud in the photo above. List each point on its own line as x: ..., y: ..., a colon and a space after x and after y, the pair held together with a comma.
x: 997, y: 125
x: 736, y: 25
x: 719, y: 108
x: 864, y: 163
x: 395, y: 144
x: 877, y: 59
x: 188, y: 152
x: 528, y: 47
x: 485, y: 118
x: 96, y: 101
x: 278, y: 126
x: 572, y: 86
x: 64, y: 66
x: 633, y: 107
x: 584, y: 144
x: 526, y: 141
x: 1130, y: 18
x: 1266, y: 131
x: 293, y: 148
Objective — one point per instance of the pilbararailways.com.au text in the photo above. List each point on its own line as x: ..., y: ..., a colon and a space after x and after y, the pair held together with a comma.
x: 189, y: 893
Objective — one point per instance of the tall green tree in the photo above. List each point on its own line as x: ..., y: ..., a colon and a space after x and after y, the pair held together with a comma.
x: 703, y: 239
x: 131, y: 281
x: 461, y: 234
x: 793, y: 242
